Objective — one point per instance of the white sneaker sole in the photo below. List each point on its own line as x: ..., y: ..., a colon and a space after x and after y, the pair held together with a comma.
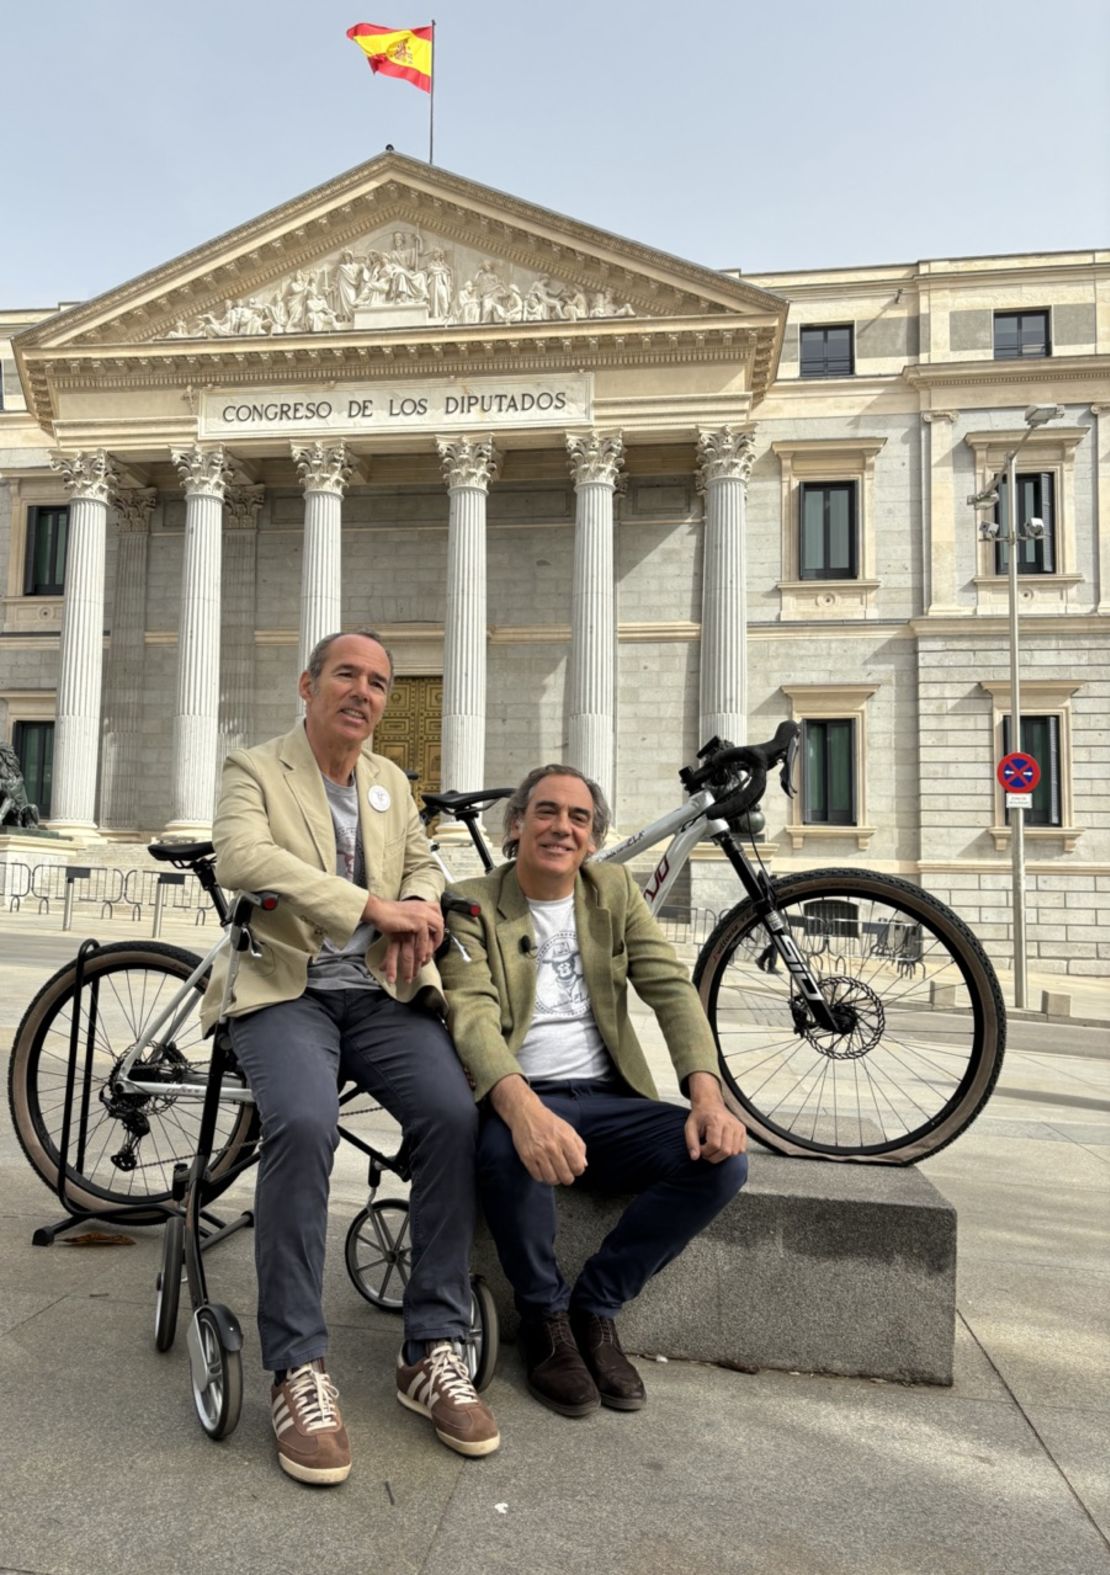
x: 462, y: 1446
x: 322, y: 1476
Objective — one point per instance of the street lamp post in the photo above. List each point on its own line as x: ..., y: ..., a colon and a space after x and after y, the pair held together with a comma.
x: 1011, y: 534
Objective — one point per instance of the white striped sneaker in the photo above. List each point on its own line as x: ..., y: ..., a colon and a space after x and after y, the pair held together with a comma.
x: 311, y: 1439
x: 439, y: 1387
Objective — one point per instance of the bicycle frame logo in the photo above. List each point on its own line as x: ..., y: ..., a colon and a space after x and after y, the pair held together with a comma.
x: 652, y: 889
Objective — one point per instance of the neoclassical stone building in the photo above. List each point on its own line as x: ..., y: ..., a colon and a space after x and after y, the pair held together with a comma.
x: 601, y: 502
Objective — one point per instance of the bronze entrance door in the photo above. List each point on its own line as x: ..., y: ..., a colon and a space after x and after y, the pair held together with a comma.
x: 409, y: 732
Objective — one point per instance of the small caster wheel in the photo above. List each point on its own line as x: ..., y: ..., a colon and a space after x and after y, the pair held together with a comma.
x: 379, y: 1253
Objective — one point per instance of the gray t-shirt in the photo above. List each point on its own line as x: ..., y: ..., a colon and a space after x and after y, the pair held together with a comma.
x: 344, y: 967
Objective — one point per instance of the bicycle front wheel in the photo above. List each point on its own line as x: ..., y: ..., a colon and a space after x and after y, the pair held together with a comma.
x: 921, y: 1022
x: 123, y: 1145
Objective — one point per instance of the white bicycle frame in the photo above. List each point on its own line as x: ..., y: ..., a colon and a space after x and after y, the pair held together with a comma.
x: 687, y: 825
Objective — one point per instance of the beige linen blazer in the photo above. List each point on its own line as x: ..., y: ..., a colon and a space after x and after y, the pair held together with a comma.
x: 491, y: 999
x: 273, y: 832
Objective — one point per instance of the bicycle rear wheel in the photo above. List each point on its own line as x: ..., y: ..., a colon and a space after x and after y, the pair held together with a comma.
x: 922, y: 1022
x: 125, y: 1149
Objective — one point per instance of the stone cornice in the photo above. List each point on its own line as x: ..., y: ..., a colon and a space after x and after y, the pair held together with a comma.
x: 1050, y: 369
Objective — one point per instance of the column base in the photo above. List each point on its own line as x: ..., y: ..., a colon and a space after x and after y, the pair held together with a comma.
x: 187, y: 831
x: 81, y: 832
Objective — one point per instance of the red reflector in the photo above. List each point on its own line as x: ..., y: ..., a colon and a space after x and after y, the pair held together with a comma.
x: 474, y: 910
x: 269, y: 904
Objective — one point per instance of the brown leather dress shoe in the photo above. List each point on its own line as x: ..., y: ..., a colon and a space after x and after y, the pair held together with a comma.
x: 557, y: 1376
x: 619, y: 1385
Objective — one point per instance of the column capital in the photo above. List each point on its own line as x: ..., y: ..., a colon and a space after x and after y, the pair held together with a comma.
x: 468, y: 462
x: 86, y: 475
x: 595, y: 456
x: 724, y: 455
x: 324, y: 467
x: 134, y: 506
x: 929, y: 416
x: 205, y: 472
x: 241, y: 506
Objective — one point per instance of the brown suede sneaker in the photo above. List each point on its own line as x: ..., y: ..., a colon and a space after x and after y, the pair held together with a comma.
x: 618, y: 1383
x: 311, y: 1439
x: 439, y: 1387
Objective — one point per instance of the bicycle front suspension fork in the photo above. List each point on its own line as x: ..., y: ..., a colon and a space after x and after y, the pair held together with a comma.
x: 760, y: 888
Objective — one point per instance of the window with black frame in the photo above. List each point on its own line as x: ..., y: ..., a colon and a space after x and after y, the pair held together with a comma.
x: 827, y: 545
x: 33, y: 743
x: 829, y: 772
x: 826, y: 350
x: 47, y: 537
x: 1040, y: 737
x: 1036, y: 500
x: 1018, y: 335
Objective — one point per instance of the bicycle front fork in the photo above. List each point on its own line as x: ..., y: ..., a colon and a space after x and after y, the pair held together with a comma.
x: 809, y: 1006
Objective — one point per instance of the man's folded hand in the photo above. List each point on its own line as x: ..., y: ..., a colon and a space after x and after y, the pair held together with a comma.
x: 413, y: 931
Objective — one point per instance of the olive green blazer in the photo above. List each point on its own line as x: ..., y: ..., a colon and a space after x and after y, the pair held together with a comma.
x: 491, y: 999
x: 273, y: 832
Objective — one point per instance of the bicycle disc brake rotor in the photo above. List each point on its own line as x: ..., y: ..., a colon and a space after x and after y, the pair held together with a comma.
x: 859, y: 1015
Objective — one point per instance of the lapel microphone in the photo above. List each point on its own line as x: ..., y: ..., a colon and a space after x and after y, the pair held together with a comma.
x: 525, y: 945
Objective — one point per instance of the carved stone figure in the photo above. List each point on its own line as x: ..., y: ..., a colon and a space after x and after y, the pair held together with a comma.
x: 468, y: 306
x: 348, y: 280
x: 15, y: 807
x: 295, y: 297
x: 440, y: 282
x: 318, y: 315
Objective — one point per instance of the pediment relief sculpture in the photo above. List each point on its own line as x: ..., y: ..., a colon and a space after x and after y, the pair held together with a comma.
x: 405, y: 280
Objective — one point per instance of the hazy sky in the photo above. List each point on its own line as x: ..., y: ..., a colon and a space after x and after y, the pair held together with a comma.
x: 777, y: 135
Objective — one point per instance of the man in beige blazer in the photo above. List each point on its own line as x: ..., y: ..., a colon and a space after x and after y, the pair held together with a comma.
x: 346, y: 989
x: 565, y: 1089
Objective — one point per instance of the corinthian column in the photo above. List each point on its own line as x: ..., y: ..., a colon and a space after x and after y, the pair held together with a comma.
x: 595, y: 460
x: 121, y: 773
x: 325, y: 470
x: 468, y: 467
x: 724, y: 463
x: 204, y: 475
x: 89, y: 480
x: 237, y: 617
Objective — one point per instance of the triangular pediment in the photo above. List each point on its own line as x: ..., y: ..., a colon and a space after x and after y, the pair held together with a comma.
x: 392, y: 246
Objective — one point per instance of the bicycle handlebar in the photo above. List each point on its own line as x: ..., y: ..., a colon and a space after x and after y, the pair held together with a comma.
x: 721, y: 760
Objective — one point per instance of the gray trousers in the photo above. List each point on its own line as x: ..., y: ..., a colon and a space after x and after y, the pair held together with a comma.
x: 294, y: 1056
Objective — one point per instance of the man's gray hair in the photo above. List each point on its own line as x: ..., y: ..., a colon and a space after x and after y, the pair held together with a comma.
x: 315, y: 664
x: 515, y: 806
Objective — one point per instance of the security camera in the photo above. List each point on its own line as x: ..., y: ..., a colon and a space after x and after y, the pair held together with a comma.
x: 989, y: 530
x: 1033, y: 529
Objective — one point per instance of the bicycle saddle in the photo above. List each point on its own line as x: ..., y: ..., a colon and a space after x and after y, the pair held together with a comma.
x: 452, y: 803
x: 180, y: 852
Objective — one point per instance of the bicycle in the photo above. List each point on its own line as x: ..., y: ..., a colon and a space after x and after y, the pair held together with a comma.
x: 881, y: 1036
x: 145, y: 1081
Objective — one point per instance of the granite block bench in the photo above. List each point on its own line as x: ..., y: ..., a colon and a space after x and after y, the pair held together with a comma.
x: 815, y: 1267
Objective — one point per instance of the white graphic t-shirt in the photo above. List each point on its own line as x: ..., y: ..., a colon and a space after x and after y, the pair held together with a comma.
x: 563, y: 1041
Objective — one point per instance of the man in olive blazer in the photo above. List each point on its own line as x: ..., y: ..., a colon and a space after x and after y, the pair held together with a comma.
x: 566, y: 1094
x: 345, y: 989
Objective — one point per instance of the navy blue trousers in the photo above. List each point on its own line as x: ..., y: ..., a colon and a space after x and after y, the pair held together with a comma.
x: 632, y: 1145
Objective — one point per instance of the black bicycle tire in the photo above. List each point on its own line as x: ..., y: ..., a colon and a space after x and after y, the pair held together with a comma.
x: 984, y: 993
x: 168, y: 1285
x: 489, y: 1333
x: 25, y: 1106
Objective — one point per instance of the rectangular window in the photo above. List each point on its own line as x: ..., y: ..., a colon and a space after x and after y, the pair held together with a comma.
x: 827, y: 546
x: 47, y: 531
x: 1020, y: 334
x: 33, y: 743
x: 1036, y: 500
x: 827, y: 352
x: 1040, y: 737
x: 829, y: 773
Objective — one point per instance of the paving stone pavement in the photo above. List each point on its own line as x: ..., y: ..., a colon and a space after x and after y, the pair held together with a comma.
x: 104, y: 1467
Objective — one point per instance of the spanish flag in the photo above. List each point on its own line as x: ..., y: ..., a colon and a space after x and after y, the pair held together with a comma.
x: 398, y: 52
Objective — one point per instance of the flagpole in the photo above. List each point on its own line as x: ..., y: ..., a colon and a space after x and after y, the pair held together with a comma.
x: 432, y: 97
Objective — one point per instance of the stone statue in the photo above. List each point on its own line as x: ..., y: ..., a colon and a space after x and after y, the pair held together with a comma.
x: 15, y: 808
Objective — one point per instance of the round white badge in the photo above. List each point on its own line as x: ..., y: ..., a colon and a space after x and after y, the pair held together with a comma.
x: 379, y: 798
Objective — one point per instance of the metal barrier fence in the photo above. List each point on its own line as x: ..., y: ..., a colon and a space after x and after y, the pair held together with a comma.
x: 43, y: 887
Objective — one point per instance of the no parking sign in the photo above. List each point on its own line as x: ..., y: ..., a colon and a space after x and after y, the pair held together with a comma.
x: 1018, y: 772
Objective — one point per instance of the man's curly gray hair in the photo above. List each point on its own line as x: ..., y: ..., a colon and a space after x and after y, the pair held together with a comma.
x: 515, y: 806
